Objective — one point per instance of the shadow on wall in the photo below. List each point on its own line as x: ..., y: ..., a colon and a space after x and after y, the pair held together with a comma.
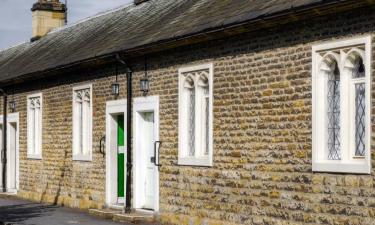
x: 62, y: 176
x: 61, y: 180
x: 22, y: 212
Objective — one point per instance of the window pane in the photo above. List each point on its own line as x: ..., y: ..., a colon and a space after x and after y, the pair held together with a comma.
x: 360, y: 107
x: 333, y: 110
x: 207, y: 119
x: 36, y: 130
x: 85, y: 127
x: 191, y: 121
x: 80, y: 127
x: 32, y: 131
x: 359, y: 70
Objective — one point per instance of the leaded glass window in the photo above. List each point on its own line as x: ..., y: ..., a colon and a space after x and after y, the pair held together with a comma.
x: 204, y: 111
x: 190, y: 89
x: 195, y: 115
x: 357, y: 89
x: 360, y: 108
x: 82, y: 123
x: 341, y: 106
x: 333, y: 102
x: 207, y: 118
x: 192, y: 122
x: 196, y: 88
x: 82, y: 102
x: 34, y: 126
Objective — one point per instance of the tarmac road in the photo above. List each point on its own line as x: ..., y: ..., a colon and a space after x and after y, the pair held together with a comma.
x: 19, y: 212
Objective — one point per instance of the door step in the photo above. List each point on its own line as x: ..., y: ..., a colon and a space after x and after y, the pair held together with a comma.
x: 104, y: 213
x: 8, y: 195
x: 117, y: 216
x: 136, y: 218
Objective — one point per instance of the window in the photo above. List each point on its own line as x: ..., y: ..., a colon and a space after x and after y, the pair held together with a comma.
x: 195, y: 115
x: 34, y: 126
x: 82, y: 123
x: 341, y: 106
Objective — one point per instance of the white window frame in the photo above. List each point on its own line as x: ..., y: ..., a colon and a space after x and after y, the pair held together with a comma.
x: 183, y: 159
x: 76, y: 155
x: 348, y: 163
x: 30, y: 151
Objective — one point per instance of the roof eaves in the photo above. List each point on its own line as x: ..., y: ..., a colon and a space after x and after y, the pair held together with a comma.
x: 159, y: 45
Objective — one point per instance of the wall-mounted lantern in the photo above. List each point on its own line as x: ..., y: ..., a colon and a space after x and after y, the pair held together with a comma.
x: 145, y: 85
x: 144, y: 82
x: 115, y: 87
x: 12, y: 105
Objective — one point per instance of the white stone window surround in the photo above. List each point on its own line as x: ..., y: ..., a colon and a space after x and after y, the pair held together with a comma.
x: 34, y: 126
x: 82, y: 125
x: 203, y: 156
x: 341, y: 51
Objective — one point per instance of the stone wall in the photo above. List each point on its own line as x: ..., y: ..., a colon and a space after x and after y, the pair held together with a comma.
x: 57, y: 178
x: 262, y: 134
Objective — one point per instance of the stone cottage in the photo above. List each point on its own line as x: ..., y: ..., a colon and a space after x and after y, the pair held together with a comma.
x: 201, y: 111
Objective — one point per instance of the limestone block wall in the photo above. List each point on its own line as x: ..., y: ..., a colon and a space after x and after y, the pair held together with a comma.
x: 57, y: 178
x: 261, y: 170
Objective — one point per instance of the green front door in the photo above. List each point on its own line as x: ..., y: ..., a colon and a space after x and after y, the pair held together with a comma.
x: 120, y: 158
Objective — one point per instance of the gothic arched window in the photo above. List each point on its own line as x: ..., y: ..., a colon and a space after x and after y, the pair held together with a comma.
x: 82, y: 123
x: 34, y: 126
x: 341, y: 121
x: 195, y: 115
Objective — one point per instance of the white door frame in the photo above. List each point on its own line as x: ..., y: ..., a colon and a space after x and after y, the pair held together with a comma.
x: 144, y: 104
x: 113, y: 108
x: 12, y: 118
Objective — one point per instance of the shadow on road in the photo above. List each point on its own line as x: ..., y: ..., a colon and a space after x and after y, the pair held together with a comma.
x: 22, y: 212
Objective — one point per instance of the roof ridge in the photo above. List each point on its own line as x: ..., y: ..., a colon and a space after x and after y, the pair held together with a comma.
x: 103, y: 13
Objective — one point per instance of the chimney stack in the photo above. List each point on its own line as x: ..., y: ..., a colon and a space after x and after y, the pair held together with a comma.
x: 47, y: 15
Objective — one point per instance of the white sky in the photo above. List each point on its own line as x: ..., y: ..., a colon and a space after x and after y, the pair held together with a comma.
x: 15, y: 16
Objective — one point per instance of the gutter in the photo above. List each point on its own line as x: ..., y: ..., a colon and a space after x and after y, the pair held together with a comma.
x: 4, y: 136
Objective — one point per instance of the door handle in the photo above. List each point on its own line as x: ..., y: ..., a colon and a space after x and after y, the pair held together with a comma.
x: 157, y: 145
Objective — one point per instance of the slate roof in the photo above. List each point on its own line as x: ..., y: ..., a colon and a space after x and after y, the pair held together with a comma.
x: 132, y: 26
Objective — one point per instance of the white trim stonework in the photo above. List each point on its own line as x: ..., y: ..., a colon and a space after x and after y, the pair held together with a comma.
x: 83, y: 153
x: 341, y: 55
x: 113, y: 109
x: 34, y: 126
x: 195, y: 145
x: 12, y: 118
x: 144, y: 104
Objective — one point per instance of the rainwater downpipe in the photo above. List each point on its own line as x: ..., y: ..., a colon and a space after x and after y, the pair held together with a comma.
x: 4, y: 151
x: 129, y: 98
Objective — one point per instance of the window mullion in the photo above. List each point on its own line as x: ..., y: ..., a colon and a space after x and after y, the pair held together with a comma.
x: 346, y: 112
x: 322, y: 103
x: 351, y: 117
